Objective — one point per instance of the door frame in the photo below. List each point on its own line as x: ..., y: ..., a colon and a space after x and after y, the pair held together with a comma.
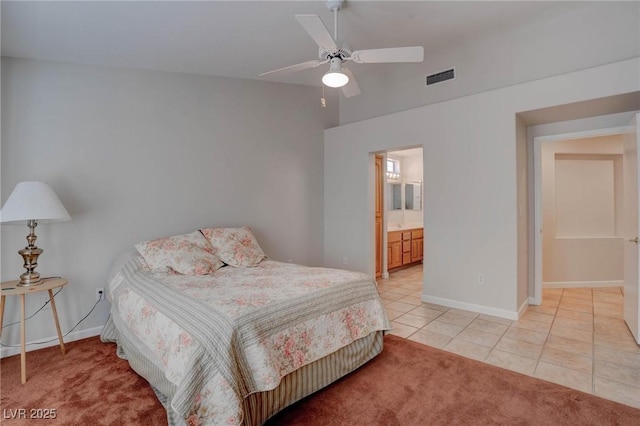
x: 379, y: 197
x: 537, y: 195
x: 385, y: 201
x: 631, y: 296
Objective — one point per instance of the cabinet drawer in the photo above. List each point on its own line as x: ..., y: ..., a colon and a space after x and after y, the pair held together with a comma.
x: 394, y: 236
x: 406, y: 258
x: 406, y: 246
x: 406, y: 235
x: 416, y: 233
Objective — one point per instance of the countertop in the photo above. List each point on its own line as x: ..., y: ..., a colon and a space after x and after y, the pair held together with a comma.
x: 399, y: 227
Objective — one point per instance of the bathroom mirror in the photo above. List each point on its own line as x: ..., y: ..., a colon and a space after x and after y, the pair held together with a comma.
x: 395, y: 196
x: 413, y: 196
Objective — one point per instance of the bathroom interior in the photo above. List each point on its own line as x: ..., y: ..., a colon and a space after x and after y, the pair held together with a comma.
x: 403, y: 210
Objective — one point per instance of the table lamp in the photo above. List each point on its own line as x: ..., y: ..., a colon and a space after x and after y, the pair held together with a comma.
x: 30, y: 203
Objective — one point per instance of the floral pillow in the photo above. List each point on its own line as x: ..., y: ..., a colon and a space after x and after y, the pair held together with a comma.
x: 189, y: 254
x: 235, y: 246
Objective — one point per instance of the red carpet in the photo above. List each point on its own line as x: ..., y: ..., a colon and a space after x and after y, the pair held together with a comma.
x: 89, y: 385
x: 408, y: 384
x: 414, y: 384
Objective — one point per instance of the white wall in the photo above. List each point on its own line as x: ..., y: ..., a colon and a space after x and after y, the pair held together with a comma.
x: 470, y: 159
x: 599, y: 33
x: 523, y: 213
x: 582, y: 211
x: 135, y: 155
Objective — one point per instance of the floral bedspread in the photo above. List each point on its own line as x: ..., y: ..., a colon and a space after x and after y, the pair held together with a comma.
x: 220, y: 337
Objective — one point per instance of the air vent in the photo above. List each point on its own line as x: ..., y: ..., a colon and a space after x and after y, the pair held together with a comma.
x: 440, y: 77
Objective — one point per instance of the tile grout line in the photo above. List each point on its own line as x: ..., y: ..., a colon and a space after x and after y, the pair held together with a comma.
x: 430, y: 321
x: 457, y: 334
x: 498, y: 341
x: 594, y: 359
x: 555, y: 315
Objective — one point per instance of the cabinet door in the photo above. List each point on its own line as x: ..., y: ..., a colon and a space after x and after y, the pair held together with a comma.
x: 416, y: 249
x: 395, y: 259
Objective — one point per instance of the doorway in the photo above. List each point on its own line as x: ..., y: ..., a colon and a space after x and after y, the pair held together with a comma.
x: 401, y: 244
x: 578, y: 210
x: 586, y: 188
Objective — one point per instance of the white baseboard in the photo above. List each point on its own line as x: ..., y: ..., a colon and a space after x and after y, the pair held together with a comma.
x: 481, y: 309
x: 523, y: 307
x: 32, y: 346
x: 586, y: 284
x: 532, y: 301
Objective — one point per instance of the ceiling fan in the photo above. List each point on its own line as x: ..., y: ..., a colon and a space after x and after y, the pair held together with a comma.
x: 337, y: 54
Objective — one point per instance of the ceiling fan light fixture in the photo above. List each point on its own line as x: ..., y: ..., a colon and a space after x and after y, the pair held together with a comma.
x: 330, y: 51
x: 335, y: 79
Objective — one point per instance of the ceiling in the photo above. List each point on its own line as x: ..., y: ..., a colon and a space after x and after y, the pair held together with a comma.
x: 242, y: 39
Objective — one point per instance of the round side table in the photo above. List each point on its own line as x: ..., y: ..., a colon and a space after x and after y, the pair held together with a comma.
x: 10, y: 288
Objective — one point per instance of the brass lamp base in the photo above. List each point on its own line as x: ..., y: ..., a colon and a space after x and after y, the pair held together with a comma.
x: 29, y: 279
x: 30, y: 256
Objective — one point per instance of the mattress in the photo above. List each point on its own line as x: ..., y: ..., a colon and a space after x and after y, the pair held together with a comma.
x: 259, y: 407
x: 239, y: 345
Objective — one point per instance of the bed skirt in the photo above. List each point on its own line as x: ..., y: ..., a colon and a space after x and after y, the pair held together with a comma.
x: 258, y: 407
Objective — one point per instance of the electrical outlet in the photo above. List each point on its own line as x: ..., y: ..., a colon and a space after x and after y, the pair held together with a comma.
x: 99, y: 294
x: 480, y: 279
x: 345, y: 260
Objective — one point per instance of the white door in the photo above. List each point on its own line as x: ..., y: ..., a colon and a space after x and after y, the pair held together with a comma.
x: 631, y: 219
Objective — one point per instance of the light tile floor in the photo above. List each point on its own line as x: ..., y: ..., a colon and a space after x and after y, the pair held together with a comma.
x: 576, y: 338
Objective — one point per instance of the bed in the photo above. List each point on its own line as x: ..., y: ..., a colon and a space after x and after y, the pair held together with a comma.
x: 237, y: 345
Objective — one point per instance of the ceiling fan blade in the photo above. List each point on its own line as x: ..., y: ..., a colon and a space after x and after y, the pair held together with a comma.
x: 351, y: 88
x: 313, y: 25
x: 394, y: 54
x: 297, y: 67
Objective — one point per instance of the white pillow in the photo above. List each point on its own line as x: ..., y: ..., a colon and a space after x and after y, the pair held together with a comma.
x: 189, y: 254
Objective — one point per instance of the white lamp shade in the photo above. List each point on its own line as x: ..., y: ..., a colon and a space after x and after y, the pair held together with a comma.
x: 33, y: 201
